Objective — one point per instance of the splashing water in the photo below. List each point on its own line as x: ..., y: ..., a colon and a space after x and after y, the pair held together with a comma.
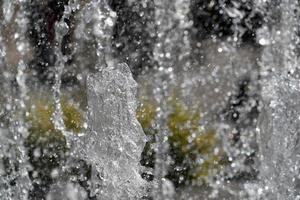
x: 116, y: 140
x: 101, y: 159
x: 61, y: 30
x: 278, y: 137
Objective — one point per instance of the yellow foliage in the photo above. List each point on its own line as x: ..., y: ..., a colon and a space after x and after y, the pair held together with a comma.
x: 146, y: 114
x: 41, y: 127
x: 73, y: 119
x: 39, y: 116
x: 206, y: 142
x: 186, y: 138
x: 208, y: 167
x: 182, y: 124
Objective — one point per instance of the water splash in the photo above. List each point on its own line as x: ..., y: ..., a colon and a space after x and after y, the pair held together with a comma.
x: 279, y: 146
x: 61, y: 31
x: 97, y: 24
x: 278, y: 137
x: 116, y: 139
x: 110, y: 150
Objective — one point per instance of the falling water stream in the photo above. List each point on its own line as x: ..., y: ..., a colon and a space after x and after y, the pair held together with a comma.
x: 279, y: 145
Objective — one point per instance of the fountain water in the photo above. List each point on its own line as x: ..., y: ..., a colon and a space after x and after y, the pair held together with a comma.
x: 102, y: 161
x: 116, y: 140
x: 61, y: 30
x: 278, y: 137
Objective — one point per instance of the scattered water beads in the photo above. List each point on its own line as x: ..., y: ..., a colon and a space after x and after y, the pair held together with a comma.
x: 106, y: 158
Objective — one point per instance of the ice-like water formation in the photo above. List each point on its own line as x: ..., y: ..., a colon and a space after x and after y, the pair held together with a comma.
x: 279, y: 138
x: 115, y: 142
x: 279, y: 120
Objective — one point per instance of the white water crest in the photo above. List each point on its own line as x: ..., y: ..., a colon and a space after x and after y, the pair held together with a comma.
x: 116, y: 140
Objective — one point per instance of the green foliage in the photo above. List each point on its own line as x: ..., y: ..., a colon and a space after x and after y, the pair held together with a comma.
x: 146, y: 114
x: 73, y: 119
x: 195, y: 151
x: 41, y: 127
x: 46, y: 145
x: 182, y: 124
